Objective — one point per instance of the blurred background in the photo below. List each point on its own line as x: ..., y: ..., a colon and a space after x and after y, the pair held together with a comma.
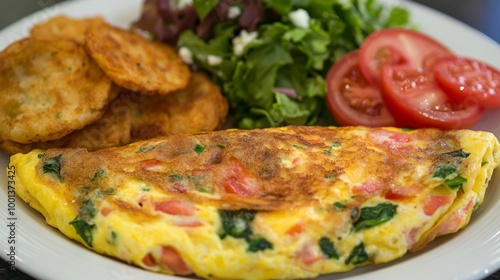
x: 483, y: 15
x: 12, y: 10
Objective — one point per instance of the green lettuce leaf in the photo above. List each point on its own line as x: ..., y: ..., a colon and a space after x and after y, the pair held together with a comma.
x: 279, y: 79
x: 204, y: 7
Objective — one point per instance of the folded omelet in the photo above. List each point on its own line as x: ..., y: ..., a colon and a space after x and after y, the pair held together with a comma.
x: 278, y: 203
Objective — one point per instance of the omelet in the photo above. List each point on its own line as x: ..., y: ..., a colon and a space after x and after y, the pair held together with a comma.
x: 276, y: 203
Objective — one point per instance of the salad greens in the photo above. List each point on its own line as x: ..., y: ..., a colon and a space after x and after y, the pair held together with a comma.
x: 278, y: 78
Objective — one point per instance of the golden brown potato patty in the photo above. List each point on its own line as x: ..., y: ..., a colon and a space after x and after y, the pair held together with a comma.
x: 49, y: 89
x: 136, y: 63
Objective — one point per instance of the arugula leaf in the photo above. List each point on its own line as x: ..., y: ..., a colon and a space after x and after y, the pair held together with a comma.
x: 305, y: 85
x: 283, y: 7
x: 294, y: 113
x: 217, y: 47
x: 253, y: 119
x: 373, y: 216
x: 256, y: 83
x: 316, y: 8
x: 314, y: 44
x: 204, y: 7
x: 284, y: 56
x: 397, y: 17
x: 296, y: 34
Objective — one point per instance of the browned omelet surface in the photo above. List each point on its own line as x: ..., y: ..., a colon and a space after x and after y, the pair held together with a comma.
x: 290, y: 202
x: 270, y: 169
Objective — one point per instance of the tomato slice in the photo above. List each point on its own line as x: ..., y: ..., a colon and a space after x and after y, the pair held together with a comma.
x: 351, y: 100
x: 415, y: 99
x: 396, y: 46
x: 238, y: 179
x: 433, y: 202
x: 469, y: 79
x: 171, y: 259
x: 149, y: 260
x: 296, y: 229
x: 175, y: 207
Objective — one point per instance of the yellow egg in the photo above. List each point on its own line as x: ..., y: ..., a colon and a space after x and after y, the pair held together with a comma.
x: 278, y: 203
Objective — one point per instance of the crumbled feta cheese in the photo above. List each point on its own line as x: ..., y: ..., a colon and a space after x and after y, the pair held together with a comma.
x: 299, y: 18
x: 186, y: 55
x: 143, y: 33
x: 181, y: 4
x: 242, y: 40
x: 214, y: 60
x: 233, y: 12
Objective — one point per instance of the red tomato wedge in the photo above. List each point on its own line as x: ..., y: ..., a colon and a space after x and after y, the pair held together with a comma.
x: 415, y: 99
x: 469, y: 79
x: 396, y: 46
x: 351, y: 100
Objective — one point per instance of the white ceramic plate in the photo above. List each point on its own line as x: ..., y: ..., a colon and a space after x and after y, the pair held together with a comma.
x: 473, y: 253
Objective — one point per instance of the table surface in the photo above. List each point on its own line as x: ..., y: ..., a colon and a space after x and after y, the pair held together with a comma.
x: 483, y: 15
